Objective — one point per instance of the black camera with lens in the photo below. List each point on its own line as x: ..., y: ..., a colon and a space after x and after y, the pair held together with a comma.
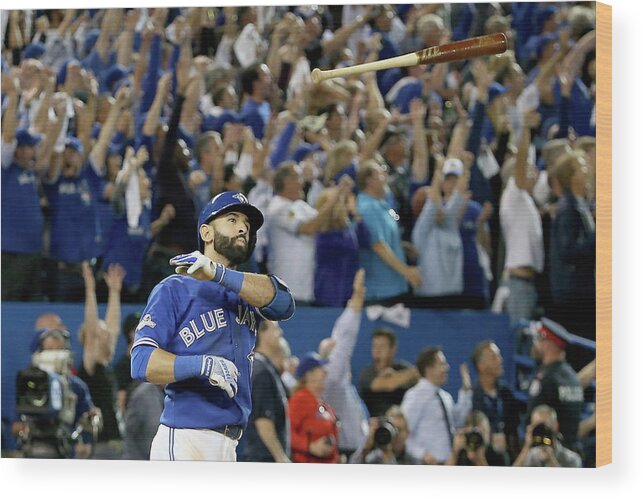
x: 542, y: 434
x: 385, y: 433
x: 473, y: 439
x: 46, y: 404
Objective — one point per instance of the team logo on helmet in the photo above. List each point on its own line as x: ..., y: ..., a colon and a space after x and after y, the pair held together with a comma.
x: 241, y: 198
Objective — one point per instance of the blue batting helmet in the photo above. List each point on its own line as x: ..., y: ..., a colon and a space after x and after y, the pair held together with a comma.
x: 224, y: 203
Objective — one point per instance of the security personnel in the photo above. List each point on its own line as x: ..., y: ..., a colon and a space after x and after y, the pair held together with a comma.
x: 556, y: 383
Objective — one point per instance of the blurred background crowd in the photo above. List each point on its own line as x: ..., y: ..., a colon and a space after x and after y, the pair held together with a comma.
x: 467, y: 185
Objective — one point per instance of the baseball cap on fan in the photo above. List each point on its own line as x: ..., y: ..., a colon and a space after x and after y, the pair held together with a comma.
x: 24, y: 138
x: 496, y: 90
x: 35, y: 345
x: 226, y: 202
x: 452, y: 166
x: 542, y: 42
x: 303, y: 150
x: 309, y: 362
x: 74, y: 144
x: 34, y: 51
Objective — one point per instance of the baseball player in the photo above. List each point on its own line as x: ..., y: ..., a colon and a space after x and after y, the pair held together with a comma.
x: 197, y: 335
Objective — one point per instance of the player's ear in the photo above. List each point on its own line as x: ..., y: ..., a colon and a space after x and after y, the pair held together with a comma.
x: 207, y: 233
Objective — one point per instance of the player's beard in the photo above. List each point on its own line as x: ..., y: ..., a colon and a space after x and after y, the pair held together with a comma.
x: 228, y: 247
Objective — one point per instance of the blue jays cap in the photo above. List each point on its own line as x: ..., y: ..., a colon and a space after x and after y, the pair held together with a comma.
x: 116, y: 148
x: 496, y: 90
x: 544, y: 15
x: 303, y: 150
x: 308, y: 362
x: 25, y: 138
x: 226, y: 117
x: 224, y: 203
x: 33, y: 51
x: 217, y: 123
x: 35, y: 345
x: 114, y: 75
x: 75, y: 144
x: 542, y: 42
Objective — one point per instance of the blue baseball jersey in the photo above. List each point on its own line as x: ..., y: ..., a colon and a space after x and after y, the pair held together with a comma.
x: 22, y: 218
x: 185, y: 316
x: 74, y: 224
x: 128, y: 245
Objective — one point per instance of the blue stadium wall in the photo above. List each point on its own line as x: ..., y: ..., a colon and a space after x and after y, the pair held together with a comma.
x: 456, y: 331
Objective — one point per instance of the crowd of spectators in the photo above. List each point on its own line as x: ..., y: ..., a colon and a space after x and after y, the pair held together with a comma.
x: 461, y: 185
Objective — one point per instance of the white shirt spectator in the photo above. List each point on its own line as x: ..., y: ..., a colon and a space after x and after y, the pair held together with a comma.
x: 291, y: 255
x: 428, y: 430
x: 339, y: 391
x: 522, y: 229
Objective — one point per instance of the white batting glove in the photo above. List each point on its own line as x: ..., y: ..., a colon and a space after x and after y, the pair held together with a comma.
x: 221, y: 373
x: 194, y: 264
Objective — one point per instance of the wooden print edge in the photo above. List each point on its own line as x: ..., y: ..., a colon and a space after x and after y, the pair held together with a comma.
x: 604, y: 234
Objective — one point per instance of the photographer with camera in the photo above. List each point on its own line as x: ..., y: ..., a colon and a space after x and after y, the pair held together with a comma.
x: 386, y: 441
x: 57, y: 416
x: 472, y: 444
x: 542, y: 447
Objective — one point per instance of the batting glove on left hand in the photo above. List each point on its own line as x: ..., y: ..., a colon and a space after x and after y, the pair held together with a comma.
x: 220, y: 372
x: 194, y: 264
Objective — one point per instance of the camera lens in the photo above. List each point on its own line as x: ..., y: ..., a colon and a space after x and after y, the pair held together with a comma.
x: 542, y: 434
x: 384, y: 434
x: 474, y: 440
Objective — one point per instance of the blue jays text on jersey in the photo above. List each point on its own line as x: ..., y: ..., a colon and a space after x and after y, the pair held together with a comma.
x: 185, y: 316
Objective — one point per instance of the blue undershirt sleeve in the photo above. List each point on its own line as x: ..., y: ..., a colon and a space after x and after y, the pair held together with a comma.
x: 140, y: 357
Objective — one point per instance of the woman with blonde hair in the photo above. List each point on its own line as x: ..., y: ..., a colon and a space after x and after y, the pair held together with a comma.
x: 342, y: 160
x: 98, y: 338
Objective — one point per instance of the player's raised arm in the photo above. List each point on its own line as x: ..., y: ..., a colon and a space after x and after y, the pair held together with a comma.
x: 200, y: 327
x: 227, y: 234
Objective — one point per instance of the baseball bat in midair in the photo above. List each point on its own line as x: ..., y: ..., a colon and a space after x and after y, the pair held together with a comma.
x: 449, y: 52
